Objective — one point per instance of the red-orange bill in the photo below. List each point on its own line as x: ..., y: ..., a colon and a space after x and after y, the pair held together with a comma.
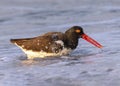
x: 92, y: 41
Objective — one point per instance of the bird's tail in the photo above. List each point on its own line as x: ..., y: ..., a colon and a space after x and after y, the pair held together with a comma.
x: 19, y: 41
x: 16, y: 41
x: 13, y: 40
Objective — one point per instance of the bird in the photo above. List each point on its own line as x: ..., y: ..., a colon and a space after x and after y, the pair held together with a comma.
x: 53, y: 44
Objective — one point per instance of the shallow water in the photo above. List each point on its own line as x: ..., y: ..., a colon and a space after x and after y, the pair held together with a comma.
x: 85, y: 66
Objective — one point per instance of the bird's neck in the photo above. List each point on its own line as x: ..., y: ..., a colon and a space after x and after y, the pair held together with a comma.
x: 72, y: 41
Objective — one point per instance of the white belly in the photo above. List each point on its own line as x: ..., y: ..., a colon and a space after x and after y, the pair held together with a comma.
x: 32, y: 54
x: 41, y: 54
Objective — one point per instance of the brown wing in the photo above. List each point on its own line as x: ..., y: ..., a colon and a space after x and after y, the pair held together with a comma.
x: 45, y: 43
x: 56, y: 35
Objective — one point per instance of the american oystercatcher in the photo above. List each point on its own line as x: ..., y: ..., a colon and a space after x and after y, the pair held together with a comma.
x: 53, y: 43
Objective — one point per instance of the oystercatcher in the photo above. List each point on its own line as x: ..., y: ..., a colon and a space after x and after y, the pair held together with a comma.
x: 53, y: 43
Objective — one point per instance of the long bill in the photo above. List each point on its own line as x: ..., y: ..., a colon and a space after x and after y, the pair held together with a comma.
x: 92, y: 41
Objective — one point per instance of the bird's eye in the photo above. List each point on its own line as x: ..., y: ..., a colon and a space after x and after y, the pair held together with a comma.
x: 77, y: 31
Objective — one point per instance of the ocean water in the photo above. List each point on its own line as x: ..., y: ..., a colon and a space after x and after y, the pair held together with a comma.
x: 85, y: 66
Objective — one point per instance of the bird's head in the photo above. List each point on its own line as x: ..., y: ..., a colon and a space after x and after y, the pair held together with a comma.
x: 77, y: 32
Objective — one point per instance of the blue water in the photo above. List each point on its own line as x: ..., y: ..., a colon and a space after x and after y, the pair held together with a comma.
x: 85, y: 66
